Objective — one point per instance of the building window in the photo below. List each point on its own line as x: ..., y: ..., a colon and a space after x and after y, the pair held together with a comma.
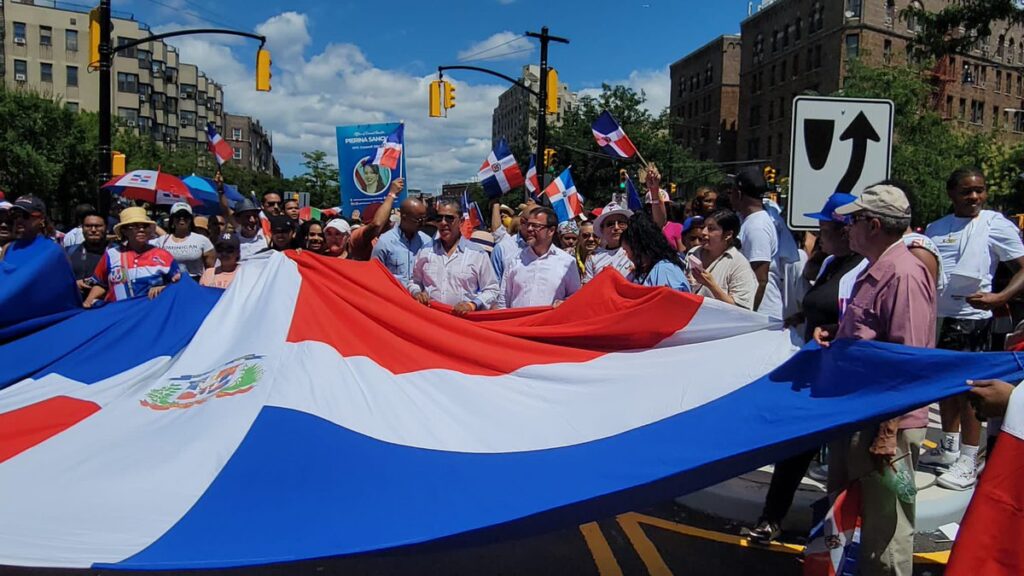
x: 755, y: 116
x: 72, y: 72
x: 961, y: 112
x: 817, y: 56
x: 853, y: 8
x: 999, y: 81
x: 912, y: 24
x: 20, y: 70
x: 796, y: 29
x: 949, y: 107
x: 187, y: 91
x: 71, y: 40
x: 71, y: 107
x: 796, y: 65
x: 130, y: 116
x: 890, y: 11
x: 817, y: 17
x: 172, y: 105
x: 1000, y: 46
x: 753, y: 148
x: 785, y: 37
x: 782, y: 71
x: 127, y: 82
x: 236, y: 152
x: 129, y: 53
x: 1011, y: 50
x: 775, y: 41
x: 1020, y: 81
x: 45, y: 36
x: 20, y: 36
x: 852, y: 46
x: 977, y: 112
x: 1009, y: 83
x: 887, y: 52
x: 46, y: 73
x: 188, y: 118
x: 995, y: 116
x: 709, y: 74
x: 1018, y: 122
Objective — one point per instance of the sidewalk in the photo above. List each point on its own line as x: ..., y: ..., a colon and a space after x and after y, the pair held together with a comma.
x: 741, y: 499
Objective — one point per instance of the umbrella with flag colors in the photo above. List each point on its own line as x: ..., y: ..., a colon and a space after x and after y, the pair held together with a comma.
x: 151, y: 186
x: 204, y: 190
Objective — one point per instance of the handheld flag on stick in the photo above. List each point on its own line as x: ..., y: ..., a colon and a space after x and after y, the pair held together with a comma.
x: 472, y: 218
x: 220, y: 149
x: 611, y: 138
x: 565, y: 200
x: 835, y: 541
x: 632, y: 196
x: 532, y: 182
x: 500, y: 173
x: 390, y: 151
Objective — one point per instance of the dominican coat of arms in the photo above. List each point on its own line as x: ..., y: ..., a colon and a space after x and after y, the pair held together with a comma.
x: 229, y: 379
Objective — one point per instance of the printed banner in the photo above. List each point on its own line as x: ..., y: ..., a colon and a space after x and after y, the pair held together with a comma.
x: 363, y: 183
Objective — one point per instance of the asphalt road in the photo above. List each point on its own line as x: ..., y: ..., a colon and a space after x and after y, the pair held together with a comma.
x: 663, y: 541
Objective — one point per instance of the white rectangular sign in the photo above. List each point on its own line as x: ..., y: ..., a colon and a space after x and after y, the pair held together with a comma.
x: 839, y: 145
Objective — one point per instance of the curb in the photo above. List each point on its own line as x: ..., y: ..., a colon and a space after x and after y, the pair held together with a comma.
x: 741, y: 499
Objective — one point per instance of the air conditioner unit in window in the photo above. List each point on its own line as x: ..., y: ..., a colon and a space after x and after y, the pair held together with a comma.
x: 130, y: 123
x: 142, y: 97
x: 888, y: 20
x: 20, y: 41
x: 184, y: 124
x: 20, y: 78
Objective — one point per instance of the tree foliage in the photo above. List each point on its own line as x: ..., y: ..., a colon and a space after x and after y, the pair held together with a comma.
x: 960, y: 25
x: 320, y: 179
x: 926, y: 149
x: 595, y: 174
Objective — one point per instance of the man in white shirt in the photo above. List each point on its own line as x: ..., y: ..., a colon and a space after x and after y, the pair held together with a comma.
x: 759, y: 240
x: 250, y: 231
x: 972, y: 242
x: 542, y: 274
x: 452, y: 269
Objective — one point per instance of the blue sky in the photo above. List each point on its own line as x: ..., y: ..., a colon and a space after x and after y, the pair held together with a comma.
x: 345, y: 62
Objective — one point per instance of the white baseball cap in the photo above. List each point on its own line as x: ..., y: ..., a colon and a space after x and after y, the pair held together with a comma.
x: 181, y: 206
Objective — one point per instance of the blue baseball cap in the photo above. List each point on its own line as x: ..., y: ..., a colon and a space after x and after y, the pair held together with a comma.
x: 828, y: 212
x: 692, y: 221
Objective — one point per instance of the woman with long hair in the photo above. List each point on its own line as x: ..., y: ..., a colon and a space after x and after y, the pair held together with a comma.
x: 655, y: 262
x: 311, y: 237
x: 719, y: 269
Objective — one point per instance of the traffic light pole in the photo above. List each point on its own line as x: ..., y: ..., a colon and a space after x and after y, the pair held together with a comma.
x: 542, y: 114
x: 106, y: 52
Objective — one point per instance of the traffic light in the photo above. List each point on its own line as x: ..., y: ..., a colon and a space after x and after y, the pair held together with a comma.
x: 549, y: 158
x: 552, y: 96
x: 623, y: 176
x: 263, y: 70
x: 672, y: 188
x: 435, y: 98
x: 769, y: 174
x: 449, y: 95
x: 117, y: 164
x: 94, y: 37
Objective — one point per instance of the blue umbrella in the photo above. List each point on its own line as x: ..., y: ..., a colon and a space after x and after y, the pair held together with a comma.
x: 204, y: 189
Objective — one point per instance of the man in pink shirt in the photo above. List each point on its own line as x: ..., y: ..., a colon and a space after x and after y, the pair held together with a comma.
x: 893, y: 301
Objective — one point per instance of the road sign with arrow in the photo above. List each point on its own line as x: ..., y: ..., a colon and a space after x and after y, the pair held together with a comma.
x: 839, y: 145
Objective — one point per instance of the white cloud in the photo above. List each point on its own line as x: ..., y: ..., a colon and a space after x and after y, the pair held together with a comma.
x: 314, y: 93
x: 654, y: 83
x: 501, y: 46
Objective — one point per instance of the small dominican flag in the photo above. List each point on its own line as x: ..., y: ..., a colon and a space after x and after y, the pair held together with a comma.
x: 220, y: 149
x: 611, y: 138
x: 632, y: 196
x: 500, y: 173
x: 834, y: 544
x: 565, y: 200
x: 390, y: 151
x: 532, y: 182
x: 472, y: 218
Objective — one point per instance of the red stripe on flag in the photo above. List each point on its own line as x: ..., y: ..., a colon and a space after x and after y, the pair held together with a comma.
x: 384, y: 323
x: 31, y: 425
x: 988, y: 541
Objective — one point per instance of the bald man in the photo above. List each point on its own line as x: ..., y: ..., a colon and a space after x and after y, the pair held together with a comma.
x: 397, y: 247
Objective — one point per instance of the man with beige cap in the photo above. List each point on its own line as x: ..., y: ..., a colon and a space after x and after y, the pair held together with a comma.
x: 893, y: 301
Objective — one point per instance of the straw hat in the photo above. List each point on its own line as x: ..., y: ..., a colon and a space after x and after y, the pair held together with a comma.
x: 132, y: 215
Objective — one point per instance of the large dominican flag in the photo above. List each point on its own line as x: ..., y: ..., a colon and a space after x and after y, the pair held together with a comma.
x: 217, y: 146
x: 611, y: 138
x: 245, y: 431
x: 389, y: 153
x: 565, y: 200
x: 988, y: 541
x: 500, y: 173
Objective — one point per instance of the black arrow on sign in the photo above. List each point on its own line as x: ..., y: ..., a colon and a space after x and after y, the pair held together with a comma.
x: 860, y: 131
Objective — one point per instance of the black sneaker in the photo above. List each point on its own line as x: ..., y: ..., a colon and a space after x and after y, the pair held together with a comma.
x: 764, y: 532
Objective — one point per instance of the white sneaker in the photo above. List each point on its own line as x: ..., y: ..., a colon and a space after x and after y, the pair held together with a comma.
x: 939, y: 457
x: 961, y: 475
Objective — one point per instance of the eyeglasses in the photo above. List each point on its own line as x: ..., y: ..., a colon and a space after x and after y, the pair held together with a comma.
x: 851, y: 220
x: 272, y: 203
x: 134, y: 226
x: 536, y: 226
x: 587, y: 236
x: 614, y: 223
x: 447, y: 218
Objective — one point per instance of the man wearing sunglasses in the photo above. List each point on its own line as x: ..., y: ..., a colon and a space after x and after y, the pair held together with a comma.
x: 453, y: 270
x: 397, y: 248
x: 6, y: 223
x: 893, y: 301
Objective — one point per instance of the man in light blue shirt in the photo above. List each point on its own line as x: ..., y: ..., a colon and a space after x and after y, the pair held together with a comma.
x: 397, y: 247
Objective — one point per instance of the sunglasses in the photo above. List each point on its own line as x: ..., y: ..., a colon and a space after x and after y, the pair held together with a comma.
x: 447, y: 218
x: 587, y: 236
x: 614, y: 223
x: 536, y: 226
x: 272, y: 203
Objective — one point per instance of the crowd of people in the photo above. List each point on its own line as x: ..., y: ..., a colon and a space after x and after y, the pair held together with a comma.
x: 864, y: 274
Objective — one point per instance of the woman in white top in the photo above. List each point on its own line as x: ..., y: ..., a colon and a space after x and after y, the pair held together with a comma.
x: 719, y: 269
x: 193, y: 251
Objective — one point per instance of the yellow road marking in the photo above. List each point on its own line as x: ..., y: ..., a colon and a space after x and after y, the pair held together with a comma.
x: 631, y: 523
x: 600, y: 550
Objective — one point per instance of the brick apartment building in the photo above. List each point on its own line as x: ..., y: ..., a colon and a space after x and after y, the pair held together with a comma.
x: 705, y: 98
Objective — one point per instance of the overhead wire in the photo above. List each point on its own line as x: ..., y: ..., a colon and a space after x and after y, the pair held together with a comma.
x: 500, y: 56
x: 192, y: 13
x: 472, y: 57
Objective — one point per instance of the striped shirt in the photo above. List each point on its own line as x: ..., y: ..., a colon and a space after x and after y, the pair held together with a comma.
x: 126, y: 273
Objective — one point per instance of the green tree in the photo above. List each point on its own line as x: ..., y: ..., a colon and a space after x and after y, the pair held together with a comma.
x: 596, y: 175
x: 957, y: 27
x: 925, y: 148
x: 320, y: 179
